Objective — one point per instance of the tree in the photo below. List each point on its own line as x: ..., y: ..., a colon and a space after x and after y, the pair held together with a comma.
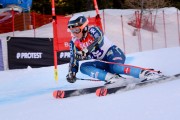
x: 64, y: 7
x: 42, y: 7
x: 176, y: 3
x: 118, y: 4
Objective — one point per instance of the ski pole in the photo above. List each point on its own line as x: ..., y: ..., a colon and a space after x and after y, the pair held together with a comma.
x: 95, y: 80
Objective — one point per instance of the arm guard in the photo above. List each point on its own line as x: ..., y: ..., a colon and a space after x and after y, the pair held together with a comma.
x: 74, y: 63
x: 97, y: 34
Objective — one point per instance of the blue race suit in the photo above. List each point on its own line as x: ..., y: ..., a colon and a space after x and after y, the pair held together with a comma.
x: 104, y: 50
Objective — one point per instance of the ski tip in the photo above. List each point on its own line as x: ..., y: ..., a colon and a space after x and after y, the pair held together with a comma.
x: 58, y: 94
x: 101, y: 92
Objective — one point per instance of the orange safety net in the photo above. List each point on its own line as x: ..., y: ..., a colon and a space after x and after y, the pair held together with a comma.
x: 37, y: 20
x: 23, y: 21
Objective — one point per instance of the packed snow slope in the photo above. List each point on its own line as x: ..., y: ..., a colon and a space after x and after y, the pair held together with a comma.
x: 27, y: 94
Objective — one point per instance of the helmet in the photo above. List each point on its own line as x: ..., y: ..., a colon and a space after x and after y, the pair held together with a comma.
x: 80, y: 21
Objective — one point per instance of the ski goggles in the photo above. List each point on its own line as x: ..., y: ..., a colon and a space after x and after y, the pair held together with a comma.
x: 77, y: 30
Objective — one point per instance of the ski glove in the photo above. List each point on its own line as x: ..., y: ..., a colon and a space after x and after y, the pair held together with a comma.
x: 81, y: 55
x: 71, y: 77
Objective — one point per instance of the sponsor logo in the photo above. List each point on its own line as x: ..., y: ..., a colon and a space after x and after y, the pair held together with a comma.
x: 71, y: 48
x: 127, y: 70
x: 64, y: 55
x: 110, y: 52
x: 85, y: 44
x: 97, y: 54
x: 117, y: 58
x: 66, y: 44
x: 94, y: 75
x: 92, y: 30
x: 29, y: 55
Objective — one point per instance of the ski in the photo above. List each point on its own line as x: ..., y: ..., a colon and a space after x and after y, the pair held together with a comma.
x: 103, y: 91
x: 59, y: 94
x: 110, y: 89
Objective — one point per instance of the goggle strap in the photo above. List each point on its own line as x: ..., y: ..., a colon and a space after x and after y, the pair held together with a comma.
x: 84, y: 25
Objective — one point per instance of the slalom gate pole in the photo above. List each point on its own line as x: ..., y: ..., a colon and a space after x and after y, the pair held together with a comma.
x: 54, y: 22
x: 123, y: 34
x: 98, y: 18
x: 34, y: 23
x: 164, y: 24
x: 96, y: 7
x: 152, y: 29
x: 13, y: 15
x: 120, y: 64
x: 126, y: 65
x: 178, y: 25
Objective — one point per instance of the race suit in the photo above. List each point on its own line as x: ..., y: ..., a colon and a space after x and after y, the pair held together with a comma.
x: 100, y: 48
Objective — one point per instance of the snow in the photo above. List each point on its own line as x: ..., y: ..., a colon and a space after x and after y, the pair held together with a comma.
x: 26, y: 94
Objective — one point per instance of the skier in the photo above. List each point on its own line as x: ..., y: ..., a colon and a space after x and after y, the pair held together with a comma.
x: 90, y: 42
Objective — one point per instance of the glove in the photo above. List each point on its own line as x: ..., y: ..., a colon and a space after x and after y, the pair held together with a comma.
x: 71, y: 77
x: 81, y: 55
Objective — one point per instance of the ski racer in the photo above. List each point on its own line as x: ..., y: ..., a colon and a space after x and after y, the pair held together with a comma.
x: 90, y: 42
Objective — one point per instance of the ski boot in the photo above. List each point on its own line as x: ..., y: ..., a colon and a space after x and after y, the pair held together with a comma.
x: 114, y: 79
x: 150, y: 74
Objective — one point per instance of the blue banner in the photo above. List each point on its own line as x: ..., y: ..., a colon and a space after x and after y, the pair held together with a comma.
x: 1, y: 58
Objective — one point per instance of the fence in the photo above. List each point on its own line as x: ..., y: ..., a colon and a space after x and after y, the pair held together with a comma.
x: 24, y: 21
x: 131, y: 32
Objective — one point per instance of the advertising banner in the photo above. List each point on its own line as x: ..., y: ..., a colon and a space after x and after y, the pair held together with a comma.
x: 63, y: 57
x: 33, y: 52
